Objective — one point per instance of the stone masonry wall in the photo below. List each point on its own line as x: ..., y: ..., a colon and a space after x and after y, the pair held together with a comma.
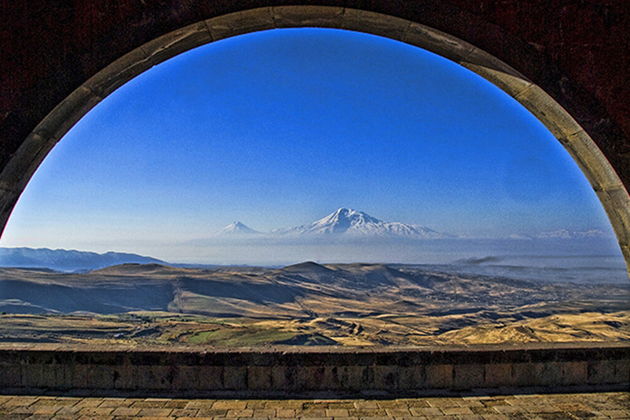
x: 289, y: 371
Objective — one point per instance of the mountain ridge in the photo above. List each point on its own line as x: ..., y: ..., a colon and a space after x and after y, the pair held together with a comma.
x: 67, y: 259
x: 348, y: 222
x: 351, y: 223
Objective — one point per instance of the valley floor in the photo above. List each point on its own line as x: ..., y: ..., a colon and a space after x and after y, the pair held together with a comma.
x: 304, y: 304
x: 156, y: 329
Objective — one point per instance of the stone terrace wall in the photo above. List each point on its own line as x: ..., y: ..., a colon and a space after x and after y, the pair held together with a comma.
x: 291, y: 371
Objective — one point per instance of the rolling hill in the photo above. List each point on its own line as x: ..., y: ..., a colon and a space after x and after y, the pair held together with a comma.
x: 303, y: 304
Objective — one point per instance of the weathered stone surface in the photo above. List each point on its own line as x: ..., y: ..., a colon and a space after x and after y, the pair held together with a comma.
x: 497, y: 375
x: 439, y: 376
x: 412, y: 377
x: 375, y: 23
x: 468, y: 376
x: 241, y: 23
x: 235, y: 377
x: 310, y: 16
x: 437, y: 42
x: 575, y: 373
x: 524, y: 406
x: 340, y: 369
x: 601, y: 372
x: 259, y: 377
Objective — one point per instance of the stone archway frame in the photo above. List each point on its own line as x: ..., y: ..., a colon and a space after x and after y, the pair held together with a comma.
x: 571, y: 135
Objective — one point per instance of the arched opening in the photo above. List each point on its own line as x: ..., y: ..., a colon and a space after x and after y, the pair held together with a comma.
x: 597, y: 169
x: 298, y: 269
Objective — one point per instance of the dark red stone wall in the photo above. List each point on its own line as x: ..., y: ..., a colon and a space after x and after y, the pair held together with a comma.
x: 577, y: 50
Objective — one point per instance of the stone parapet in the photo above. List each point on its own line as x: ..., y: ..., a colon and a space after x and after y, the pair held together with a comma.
x: 291, y: 371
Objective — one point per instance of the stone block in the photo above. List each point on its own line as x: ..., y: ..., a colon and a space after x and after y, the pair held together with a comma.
x: 591, y: 159
x: 490, y: 62
x: 67, y: 113
x: 315, y: 378
x: 385, y: 377
x: 437, y: 42
x: 208, y: 378
x: 524, y: 374
x: 176, y: 42
x: 574, y: 373
x: 354, y: 378
x: 468, y: 376
x: 240, y: 23
x: 622, y: 371
x: 601, y: 372
x: 32, y: 375
x: 439, y: 376
x: 56, y: 376
x: 498, y: 374
x: 283, y: 378
x: 100, y: 377
x: 18, y: 171
x: 307, y: 16
x: 548, y: 373
x: 153, y: 377
x: 259, y: 377
x: 511, y: 84
x: 235, y: 377
x: 125, y: 377
x: 10, y: 377
x: 412, y: 377
x: 375, y: 23
x: 548, y: 111
x: 118, y: 73
x: 80, y: 376
x: 186, y: 377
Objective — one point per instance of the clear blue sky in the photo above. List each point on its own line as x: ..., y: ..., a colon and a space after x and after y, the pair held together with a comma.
x: 279, y: 128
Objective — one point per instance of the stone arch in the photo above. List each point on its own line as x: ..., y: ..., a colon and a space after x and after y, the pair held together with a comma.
x: 563, y: 126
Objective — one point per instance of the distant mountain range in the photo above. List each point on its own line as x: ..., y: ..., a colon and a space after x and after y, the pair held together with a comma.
x: 564, y: 234
x: 67, y: 260
x: 349, y: 223
x: 343, y: 222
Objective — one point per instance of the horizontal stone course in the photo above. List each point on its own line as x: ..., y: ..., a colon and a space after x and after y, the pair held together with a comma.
x: 294, y: 370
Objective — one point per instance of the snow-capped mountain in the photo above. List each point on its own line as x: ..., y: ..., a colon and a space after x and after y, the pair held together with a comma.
x: 351, y: 222
x: 237, y: 228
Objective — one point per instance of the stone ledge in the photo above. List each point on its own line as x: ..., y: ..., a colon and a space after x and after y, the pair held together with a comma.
x: 290, y: 370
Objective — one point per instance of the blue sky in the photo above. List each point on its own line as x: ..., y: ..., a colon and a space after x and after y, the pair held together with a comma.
x: 279, y: 128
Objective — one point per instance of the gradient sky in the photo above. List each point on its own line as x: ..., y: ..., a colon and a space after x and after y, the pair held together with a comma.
x: 279, y: 128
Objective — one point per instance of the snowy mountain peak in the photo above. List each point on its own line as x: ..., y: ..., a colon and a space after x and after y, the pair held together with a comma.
x: 350, y: 222
x: 237, y: 228
x: 342, y: 220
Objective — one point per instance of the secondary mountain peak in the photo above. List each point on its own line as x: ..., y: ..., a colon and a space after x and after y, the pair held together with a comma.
x: 238, y: 228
